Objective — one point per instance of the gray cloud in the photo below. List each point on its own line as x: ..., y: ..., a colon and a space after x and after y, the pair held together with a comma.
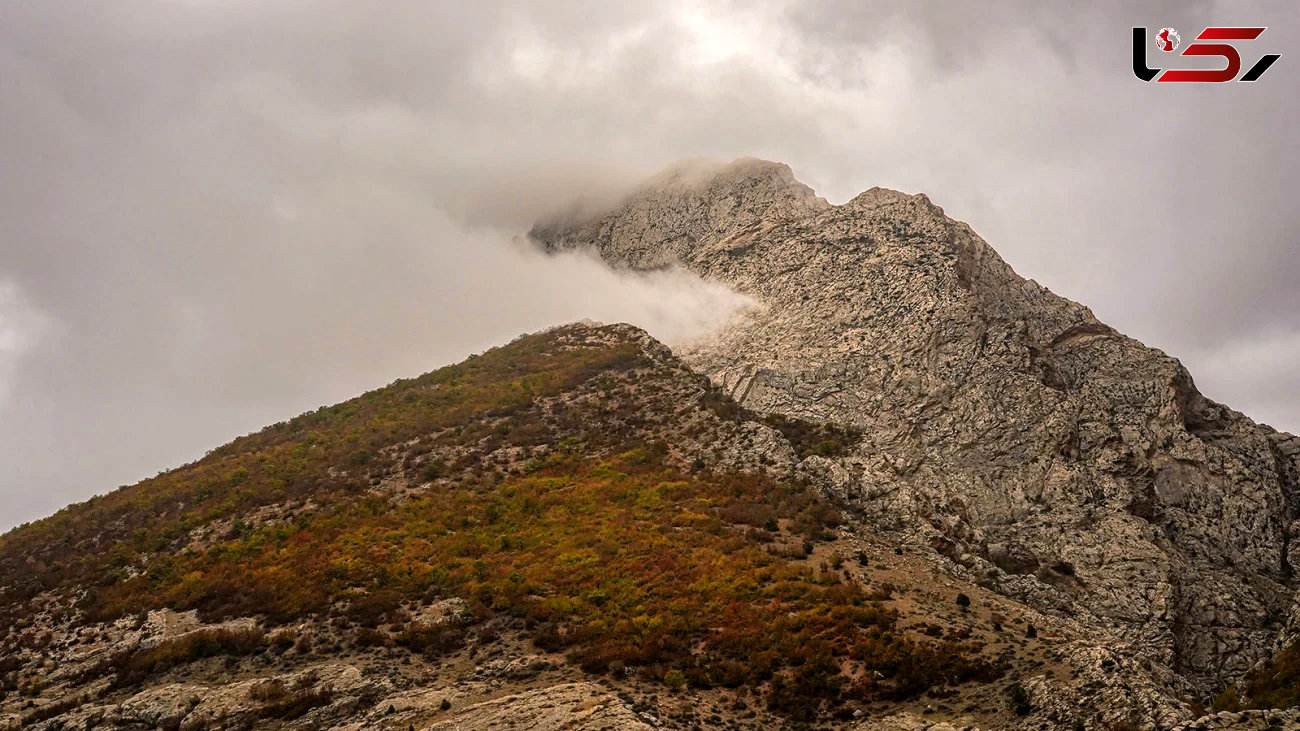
x: 215, y: 215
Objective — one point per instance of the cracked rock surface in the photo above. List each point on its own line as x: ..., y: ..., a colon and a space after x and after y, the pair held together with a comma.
x: 1045, y: 454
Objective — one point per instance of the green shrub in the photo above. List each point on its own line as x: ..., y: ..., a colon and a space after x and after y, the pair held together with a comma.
x: 1018, y: 700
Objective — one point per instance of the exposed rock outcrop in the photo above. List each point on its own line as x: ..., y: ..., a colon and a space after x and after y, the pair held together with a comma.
x: 1043, y: 452
x: 1048, y: 526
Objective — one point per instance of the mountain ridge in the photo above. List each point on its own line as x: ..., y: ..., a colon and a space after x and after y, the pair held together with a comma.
x: 1021, y: 431
x: 908, y: 489
x: 575, y: 520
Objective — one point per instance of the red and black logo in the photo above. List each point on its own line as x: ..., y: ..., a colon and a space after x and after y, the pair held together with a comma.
x: 1167, y: 40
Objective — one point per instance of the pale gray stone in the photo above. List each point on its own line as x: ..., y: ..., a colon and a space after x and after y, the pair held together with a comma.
x: 1082, y: 467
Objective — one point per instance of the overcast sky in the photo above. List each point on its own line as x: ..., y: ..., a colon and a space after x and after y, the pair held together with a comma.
x: 215, y: 214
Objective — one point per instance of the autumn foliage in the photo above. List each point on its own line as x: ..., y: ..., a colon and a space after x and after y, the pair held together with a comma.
x: 600, y: 545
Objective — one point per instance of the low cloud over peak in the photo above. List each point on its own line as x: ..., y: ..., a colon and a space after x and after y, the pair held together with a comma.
x: 215, y: 215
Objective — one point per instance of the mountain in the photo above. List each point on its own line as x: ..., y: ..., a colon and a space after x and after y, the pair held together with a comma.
x: 908, y: 489
x: 1040, y: 451
x: 574, y: 528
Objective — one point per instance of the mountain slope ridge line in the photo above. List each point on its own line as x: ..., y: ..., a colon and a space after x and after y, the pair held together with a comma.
x: 575, y: 503
x: 1003, y: 424
x: 907, y: 488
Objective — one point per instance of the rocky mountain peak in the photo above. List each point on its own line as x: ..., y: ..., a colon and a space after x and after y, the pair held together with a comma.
x: 907, y: 474
x: 663, y: 220
x: 1039, y: 450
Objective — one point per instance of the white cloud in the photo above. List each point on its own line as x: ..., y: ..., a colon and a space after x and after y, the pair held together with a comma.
x: 236, y: 211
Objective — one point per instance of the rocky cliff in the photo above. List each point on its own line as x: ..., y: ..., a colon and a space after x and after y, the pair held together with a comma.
x: 1039, y: 450
x: 919, y: 493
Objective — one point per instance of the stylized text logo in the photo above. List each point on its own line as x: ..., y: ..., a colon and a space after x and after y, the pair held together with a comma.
x: 1167, y: 39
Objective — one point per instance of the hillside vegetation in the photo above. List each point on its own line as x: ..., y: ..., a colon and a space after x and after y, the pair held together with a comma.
x: 579, y: 486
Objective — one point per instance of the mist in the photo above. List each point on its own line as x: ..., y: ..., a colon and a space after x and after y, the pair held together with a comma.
x: 242, y: 348
x: 216, y: 215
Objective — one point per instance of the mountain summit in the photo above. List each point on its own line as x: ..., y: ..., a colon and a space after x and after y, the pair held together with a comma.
x: 907, y: 490
x: 1040, y: 451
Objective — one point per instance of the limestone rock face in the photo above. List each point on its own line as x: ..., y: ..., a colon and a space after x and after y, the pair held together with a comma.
x: 687, y: 205
x: 1044, y: 453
